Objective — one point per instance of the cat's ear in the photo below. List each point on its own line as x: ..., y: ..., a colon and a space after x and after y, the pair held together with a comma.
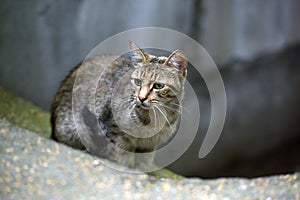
x: 137, y: 54
x: 178, y: 60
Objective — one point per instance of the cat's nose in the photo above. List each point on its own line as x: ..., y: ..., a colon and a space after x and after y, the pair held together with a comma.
x: 142, y: 98
x: 143, y: 93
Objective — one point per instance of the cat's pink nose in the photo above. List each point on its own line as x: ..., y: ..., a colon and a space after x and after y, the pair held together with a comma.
x: 143, y: 93
x: 142, y: 98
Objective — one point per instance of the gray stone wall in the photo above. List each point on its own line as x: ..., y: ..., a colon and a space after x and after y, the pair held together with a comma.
x: 244, y: 29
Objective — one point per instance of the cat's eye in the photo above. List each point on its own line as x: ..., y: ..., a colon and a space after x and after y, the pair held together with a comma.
x: 137, y: 82
x: 158, y: 86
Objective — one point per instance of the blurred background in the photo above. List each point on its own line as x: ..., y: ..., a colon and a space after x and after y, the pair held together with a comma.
x: 255, y: 44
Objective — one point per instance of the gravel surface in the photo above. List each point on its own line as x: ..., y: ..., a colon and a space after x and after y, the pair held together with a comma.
x: 33, y: 167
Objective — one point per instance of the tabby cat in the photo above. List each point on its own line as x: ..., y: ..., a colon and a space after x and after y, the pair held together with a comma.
x: 136, y: 106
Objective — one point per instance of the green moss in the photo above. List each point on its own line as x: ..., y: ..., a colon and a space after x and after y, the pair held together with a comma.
x: 24, y: 114
x: 164, y: 173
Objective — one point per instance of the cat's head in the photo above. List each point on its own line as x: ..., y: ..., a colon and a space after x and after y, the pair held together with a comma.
x: 157, y: 79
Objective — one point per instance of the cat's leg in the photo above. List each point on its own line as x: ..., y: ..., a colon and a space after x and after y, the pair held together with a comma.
x: 127, y: 159
x: 145, y: 160
x: 119, y: 155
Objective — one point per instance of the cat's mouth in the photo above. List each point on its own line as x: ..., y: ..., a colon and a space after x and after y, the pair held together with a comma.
x: 143, y: 104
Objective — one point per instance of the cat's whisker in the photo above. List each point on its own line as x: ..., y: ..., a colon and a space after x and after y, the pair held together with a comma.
x: 164, y: 115
x: 155, y: 119
x: 181, y: 106
x: 127, y: 105
x: 170, y: 108
x: 174, y: 110
x: 130, y: 101
x: 132, y: 105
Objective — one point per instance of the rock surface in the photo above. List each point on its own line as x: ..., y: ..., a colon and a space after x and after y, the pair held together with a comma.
x: 33, y: 167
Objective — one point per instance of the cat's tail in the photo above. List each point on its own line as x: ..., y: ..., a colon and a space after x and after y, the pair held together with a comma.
x: 94, y: 139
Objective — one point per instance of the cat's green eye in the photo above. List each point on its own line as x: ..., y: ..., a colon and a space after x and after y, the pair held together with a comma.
x: 158, y: 86
x: 137, y: 82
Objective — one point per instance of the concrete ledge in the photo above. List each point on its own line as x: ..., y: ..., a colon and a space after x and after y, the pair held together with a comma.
x: 33, y: 167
